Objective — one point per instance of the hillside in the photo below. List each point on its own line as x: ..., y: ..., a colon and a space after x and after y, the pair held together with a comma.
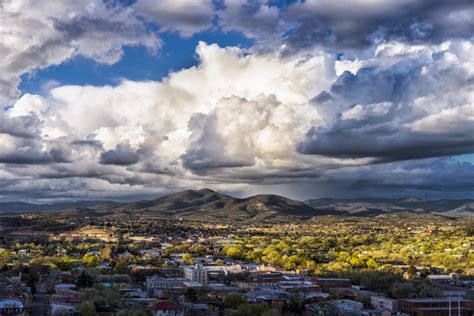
x: 22, y: 207
x: 211, y: 205
x: 367, y: 207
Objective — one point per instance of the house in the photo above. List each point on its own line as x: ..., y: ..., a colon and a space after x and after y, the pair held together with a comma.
x: 22, y: 252
x: 385, y: 302
x: 11, y: 306
x: 133, y: 293
x: 196, y: 308
x: 64, y: 287
x: 348, y: 307
x: 314, y: 297
x: 153, y: 252
x: 167, y: 308
x: 63, y: 309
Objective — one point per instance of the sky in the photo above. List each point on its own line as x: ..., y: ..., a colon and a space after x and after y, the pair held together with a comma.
x: 123, y: 100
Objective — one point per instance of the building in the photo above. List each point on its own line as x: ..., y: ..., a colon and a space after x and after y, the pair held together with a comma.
x: 348, y: 307
x: 168, y: 308
x: 253, y: 285
x: 385, y: 302
x: 331, y: 283
x: 435, y: 307
x: 12, y: 307
x: 63, y: 309
x: 443, y: 278
x: 196, y: 273
x: 89, y: 233
x: 155, y: 284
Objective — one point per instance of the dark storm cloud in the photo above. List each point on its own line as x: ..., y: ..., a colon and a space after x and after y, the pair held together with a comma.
x: 185, y: 17
x: 385, y: 141
x: 355, y: 23
x: 23, y: 126
x: 259, y: 19
x: 370, y: 85
x: 33, y: 156
x: 425, y: 177
x: 392, y: 112
x: 122, y: 155
x: 87, y: 142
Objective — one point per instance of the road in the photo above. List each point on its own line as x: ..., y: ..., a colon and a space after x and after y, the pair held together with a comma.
x: 41, y: 298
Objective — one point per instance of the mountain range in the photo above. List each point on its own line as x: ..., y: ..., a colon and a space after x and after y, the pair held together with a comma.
x: 206, y: 204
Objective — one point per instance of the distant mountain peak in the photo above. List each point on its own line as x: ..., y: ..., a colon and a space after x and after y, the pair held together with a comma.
x: 206, y: 190
x: 206, y: 204
x: 413, y: 200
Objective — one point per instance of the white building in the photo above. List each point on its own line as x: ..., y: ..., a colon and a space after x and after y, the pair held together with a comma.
x: 442, y: 278
x: 196, y: 273
x: 10, y: 306
x: 63, y: 309
x: 348, y: 306
x: 385, y: 302
x: 155, y: 284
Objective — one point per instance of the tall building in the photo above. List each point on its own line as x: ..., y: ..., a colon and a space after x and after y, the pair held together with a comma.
x: 196, y: 273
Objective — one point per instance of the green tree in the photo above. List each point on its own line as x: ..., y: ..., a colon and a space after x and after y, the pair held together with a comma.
x: 233, y: 300
x: 372, y: 264
x: 87, y: 308
x: 85, y: 280
x: 246, y: 309
x: 403, y: 290
x: 106, y: 253
x: 5, y: 257
x: 295, y: 306
x: 233, y: 252
x: 66, y: 263
x: 90, y: 260
x: 188, y: 259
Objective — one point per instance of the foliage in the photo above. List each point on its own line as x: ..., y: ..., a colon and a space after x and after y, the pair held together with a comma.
x: 90, y: 260
x: 85, y: 280
x: 103, y: 299
x: 135, y: 312
x: 233, y: 300
x: 246, y: 309
x: 87, y: 308
x: 188, y: 259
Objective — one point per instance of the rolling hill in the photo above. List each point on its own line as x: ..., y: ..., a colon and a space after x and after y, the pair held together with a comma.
x: 370, y: 207
x: 206, y: 204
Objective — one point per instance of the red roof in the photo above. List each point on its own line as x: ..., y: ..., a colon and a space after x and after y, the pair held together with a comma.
x: 166, y: 305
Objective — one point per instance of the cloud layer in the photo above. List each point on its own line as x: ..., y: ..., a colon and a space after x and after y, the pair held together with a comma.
x: 387, y: 112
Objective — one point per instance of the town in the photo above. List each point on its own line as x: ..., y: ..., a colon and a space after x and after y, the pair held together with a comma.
x: 55, y: 264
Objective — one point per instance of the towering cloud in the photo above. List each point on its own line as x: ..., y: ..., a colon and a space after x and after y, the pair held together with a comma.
x: 397, y: 108
x: 321, y: 103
